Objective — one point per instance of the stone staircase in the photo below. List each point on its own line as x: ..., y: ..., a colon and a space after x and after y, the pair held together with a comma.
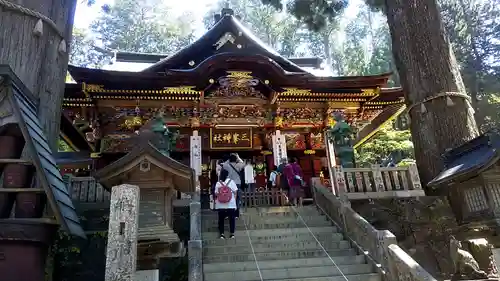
x: 274, y: 243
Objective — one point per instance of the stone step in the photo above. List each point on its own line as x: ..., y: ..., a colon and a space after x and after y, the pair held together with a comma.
x: 212, y: 216
x: 267, y: 219
x: 284, y: 273
x: 278, y: 255
x: 266, y: 211
x: 261, y: 226
x: 279, y: 264
x: 280, y: 209
x: 273, y: 247
x: 242, y: 239
x: 354, y: 277
x: 274, y: 234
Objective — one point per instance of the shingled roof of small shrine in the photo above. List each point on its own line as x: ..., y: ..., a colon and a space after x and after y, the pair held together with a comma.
x: 469, y: 159
x: 24, y: 106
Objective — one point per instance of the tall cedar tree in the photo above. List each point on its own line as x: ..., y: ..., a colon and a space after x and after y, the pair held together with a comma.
x: 37, y: 60
x: 427, y: 67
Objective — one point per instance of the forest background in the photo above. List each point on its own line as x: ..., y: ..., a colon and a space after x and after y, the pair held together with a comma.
x: 358, y: 44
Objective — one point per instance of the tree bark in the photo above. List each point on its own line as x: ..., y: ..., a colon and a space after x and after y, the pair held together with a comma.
x: 427, y: 67
x: 36, y: 59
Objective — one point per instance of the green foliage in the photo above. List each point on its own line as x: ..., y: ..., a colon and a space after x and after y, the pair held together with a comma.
x: 387, y: 141
x: 474, y: 30
x: 77, y: 259
x: 84, y: 52
x: 143, y: 26
x: 63, y: 146
x: 315, y: 14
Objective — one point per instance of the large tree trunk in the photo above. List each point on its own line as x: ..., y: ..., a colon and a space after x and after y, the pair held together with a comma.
x: 36, y: 59
x: 427, y: 67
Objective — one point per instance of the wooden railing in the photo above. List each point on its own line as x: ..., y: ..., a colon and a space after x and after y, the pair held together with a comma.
x: 261, y: 198
x: 86, y: 190
x: 376, y: 182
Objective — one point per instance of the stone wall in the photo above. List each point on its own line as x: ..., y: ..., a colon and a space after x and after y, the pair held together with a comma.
x: 422, y: 227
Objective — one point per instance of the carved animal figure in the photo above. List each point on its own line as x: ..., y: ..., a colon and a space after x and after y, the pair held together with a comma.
x: 464, y: 264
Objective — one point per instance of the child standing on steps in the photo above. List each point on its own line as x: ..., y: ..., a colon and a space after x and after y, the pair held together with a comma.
x: 226, y: 193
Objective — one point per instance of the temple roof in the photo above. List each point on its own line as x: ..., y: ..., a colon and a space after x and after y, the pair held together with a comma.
x: 227, y: 35
x: 469, y: 159
x: 183, y: 175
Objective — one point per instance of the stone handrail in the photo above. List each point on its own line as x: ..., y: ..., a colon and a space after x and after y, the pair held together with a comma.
x: 379, y: 246
x: 195, y: 250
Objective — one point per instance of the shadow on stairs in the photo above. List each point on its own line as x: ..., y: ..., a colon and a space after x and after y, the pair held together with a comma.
x: 274, y: 244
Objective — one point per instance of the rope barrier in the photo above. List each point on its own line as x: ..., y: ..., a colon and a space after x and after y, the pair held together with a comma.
x: 253, y: 250
x: 446, y: 95
x: 318, y: 242
x: 23, y: 10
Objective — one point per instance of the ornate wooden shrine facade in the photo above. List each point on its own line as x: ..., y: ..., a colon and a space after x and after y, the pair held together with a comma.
x: 226, y: 92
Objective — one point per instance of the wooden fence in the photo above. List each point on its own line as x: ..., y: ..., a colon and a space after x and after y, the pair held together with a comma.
x: 86, y: 190
x: 263, y: 198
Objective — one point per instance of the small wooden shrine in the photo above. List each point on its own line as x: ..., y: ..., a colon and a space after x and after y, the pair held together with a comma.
x: 471, y: 180
x: 226, y: 92
x: 159, y: 179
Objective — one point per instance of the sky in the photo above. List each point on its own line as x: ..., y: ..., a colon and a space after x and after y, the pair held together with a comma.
x: 85, y: 15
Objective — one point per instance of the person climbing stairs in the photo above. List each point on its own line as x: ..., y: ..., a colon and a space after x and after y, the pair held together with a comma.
x: 281, y: 243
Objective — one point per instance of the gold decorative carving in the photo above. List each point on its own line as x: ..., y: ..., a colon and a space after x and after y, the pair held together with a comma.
x: 240, y: 74
x: 195, y: 122
x: 237, y: 84
x: 132, y: 122
x: 343, y: 105
x: 180, y: 90
x: 278, y: 122
x: 92, y: 88
x: 370, y: 92
x: 295, y: 92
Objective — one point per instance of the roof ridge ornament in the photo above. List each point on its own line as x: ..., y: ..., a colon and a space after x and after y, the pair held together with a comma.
x: 227, y: 37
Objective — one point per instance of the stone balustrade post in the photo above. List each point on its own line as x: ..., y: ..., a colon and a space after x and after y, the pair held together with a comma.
x: 195, y: 260
x: 414, y: 177
x: 377, y: 178
x: 195, y: 220
x: 195, y: 250
x: 339, y: 187
x: 385, y: 238
x: 344, y: 204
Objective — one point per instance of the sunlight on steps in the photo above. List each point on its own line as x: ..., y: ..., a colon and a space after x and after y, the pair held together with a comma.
x: 275, y: 244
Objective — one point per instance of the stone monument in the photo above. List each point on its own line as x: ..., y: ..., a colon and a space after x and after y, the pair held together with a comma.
x: 121, y: 256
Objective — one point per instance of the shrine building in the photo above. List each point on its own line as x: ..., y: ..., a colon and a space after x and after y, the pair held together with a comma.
x: 226, y: 92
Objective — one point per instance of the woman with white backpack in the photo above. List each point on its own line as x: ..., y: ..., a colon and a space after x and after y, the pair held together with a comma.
x: 225, y: 195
